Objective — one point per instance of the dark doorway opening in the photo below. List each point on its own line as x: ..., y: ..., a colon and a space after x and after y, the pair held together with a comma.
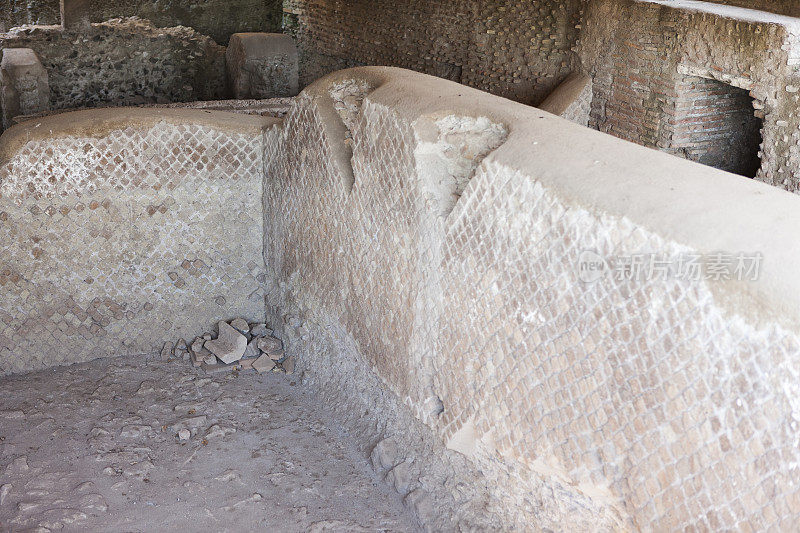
x: 716, y: 125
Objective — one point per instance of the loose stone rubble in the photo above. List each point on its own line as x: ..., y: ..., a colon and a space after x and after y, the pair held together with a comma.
x: 237, y: 345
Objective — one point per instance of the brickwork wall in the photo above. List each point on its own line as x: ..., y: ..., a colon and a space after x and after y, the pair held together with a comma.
x: 124, y: 230
x: 645, y: 71
x: 216, y: 18
x: 125, y: 62
x: 716, y: 125
x: 517, y: 49
x: 419, y: 244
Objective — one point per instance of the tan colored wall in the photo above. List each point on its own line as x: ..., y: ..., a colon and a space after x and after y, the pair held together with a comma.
x: 125, y: 229
x: 646, y: 403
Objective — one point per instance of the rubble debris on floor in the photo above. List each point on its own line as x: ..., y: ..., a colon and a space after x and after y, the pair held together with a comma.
x: 141, y: 444
x: 237, y: 346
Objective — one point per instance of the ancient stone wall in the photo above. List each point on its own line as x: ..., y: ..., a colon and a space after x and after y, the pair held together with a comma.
x: 604, y: 337
x: 123, y: 62
x: 217, y: 18
x: 126, y: 228
x: 430, y: 240
x: 646, y: 75
x: 517, y: 49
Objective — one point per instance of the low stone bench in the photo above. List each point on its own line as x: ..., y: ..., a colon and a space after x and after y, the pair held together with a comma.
x: 262, y: 65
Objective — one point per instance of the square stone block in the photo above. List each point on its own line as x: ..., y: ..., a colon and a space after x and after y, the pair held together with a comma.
x: 262, y: 65
x: 75, y: 14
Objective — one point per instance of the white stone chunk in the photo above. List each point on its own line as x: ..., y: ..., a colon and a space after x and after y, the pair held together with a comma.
x: 229, y: 346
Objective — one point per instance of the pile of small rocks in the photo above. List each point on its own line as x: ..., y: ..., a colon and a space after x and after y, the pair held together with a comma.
x: 237, y: 346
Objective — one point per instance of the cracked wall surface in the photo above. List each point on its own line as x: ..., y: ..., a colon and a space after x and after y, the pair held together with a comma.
x: 126, y: 228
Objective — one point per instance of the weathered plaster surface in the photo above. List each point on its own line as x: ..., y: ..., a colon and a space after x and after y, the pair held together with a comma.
x: 126, y: 228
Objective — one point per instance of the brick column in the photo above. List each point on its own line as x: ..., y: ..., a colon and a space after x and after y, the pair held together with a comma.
x: 75, y: 14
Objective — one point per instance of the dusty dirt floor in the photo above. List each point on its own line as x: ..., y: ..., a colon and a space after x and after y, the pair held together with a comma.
x: 94, y: 447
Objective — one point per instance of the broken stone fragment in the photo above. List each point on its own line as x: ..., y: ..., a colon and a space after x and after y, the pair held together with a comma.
x: 229, y: 346
x: 252, y: 350
x: 263, y: 364
x: 240, y: 325
x: 4, y: 490
x: 189, y: 422
x: 271, y: 346
x: 181, y: 345
x: 200, y: 354
x: 216, y: 431
x: 260, y: 330
x: 217, y: 368
x: 246, y: 364
x: 288, y: 365
x: 166, y: 350
x: 197, y: 345
x: 196, y: 360
x: 184, y: 434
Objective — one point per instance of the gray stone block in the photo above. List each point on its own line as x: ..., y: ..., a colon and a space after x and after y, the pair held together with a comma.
x: 262, y: 65
x: 76, y: 14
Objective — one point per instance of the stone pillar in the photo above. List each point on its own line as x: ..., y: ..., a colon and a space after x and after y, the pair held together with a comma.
x: 24, y: 88
x: 76, y: 14
x: 262, y: 65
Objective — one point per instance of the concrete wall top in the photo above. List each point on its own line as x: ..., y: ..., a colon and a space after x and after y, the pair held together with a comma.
x: 700, y: 207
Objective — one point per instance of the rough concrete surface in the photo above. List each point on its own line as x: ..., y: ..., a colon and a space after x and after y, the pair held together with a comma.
x: 96, y: 446
x: 630, y: 403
